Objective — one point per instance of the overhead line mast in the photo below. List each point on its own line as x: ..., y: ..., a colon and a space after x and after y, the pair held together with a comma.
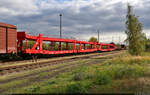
x: 60, y: 30
x: 98, y: 34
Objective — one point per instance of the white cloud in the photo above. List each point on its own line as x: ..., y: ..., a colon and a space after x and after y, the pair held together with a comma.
x: 31, y: 7
x: 18, y: 7
x: 81, y: 18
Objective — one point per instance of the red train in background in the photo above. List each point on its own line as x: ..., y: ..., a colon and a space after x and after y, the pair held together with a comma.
x: 12, y: 41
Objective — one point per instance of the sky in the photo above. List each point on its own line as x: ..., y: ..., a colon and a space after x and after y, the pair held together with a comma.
x: 80, y: 18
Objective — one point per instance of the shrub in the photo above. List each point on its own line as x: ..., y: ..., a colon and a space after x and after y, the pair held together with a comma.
x: 126, y: 71
x: 51, y: 82
x: 79, y: 76
x: 123, y: 72
x: 80, y: 73
x: 33, y: 89
x: 102, y: 77
x: 128, y: 61
x: 139, y: 61
x: 76, y: 88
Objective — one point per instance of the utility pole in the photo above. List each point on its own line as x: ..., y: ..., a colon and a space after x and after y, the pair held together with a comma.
x: 119, y: 40
x: 112, y: 38
x: 60, y: 30
x: 98, y: 34
x: 60, y: 25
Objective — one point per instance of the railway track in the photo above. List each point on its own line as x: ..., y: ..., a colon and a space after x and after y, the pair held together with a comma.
x: 19, y: 68
x: 66, y: 66
x: 42, y: 59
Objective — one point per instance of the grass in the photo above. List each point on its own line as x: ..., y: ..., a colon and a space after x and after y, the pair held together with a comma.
x: 41, y: 74
x: 8, y: 85
x: 39, y: 70
x: 111, y: 76
x: 23, y: 73
x: 123, y: 74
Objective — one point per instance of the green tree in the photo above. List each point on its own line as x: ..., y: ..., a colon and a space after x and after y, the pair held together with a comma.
x: 29, y: 44
x: 135, y: 37
x: 147, y: 45
x: 93, y: 39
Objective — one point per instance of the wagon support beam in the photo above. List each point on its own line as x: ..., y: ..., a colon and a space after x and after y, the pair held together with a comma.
x: 38, y: 46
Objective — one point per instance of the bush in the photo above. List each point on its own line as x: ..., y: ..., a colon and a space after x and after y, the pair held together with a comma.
x: 79, y: 76
x: 76, y: 88
x: 123, y: 72
x: 139, y: 61
x: 51, y: 82
x: 126, y: 71
x: 102, y: 77
x: 133, y: 60
x: 33, y: 89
